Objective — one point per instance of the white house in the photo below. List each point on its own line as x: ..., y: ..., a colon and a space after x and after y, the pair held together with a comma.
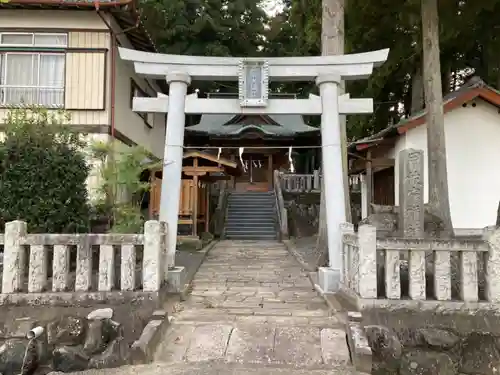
x: 472, y: 132
x: 65, y: 56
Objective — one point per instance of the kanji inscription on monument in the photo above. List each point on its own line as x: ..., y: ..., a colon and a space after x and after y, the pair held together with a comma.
x: 411, y: 193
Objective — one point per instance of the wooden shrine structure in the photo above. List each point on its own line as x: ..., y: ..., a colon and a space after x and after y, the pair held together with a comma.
x: 199, y: 170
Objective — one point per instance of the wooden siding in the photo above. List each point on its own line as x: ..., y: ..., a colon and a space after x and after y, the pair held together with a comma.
x: 186, y: 199
x: 86, y: 77
x: 85, y: 85
x: 383, y: 187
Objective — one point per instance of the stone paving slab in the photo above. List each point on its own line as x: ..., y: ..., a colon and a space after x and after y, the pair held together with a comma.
x: 204, y: 368
x: 251, y: 344
x: 251, y: 303
x: 298, y: 345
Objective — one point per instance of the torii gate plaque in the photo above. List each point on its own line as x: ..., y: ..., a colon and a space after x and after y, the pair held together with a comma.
x: 253, y: 75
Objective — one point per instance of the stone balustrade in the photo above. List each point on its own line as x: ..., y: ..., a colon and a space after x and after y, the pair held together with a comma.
x: 121, y: 261
x: 375, y: 270
x: 300, y: 183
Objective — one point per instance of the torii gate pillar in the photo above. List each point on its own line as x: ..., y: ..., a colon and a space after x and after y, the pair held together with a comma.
x: 172, y: 159
x: 331, y: 153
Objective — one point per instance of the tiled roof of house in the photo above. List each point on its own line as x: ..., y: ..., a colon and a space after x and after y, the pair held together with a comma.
x: 124, y: 11
x: 474, y: 88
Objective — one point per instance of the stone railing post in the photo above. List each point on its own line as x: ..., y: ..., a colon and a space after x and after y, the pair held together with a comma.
x: 14, y: 259
x: 367, y: 274
x: 345, y: 228
x: 316, y: 183
x: 165, y: 262
x: 152, y: 275
x: 493, y: 267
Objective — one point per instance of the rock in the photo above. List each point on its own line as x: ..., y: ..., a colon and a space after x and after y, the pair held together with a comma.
x: 100, y: 314
x: 410, y: 337
x: 385, y: 345
x: 68, y: 330
x: 115, y: 355
x: 418, y: 362
x: 94, y: 338
x: 386, y: 223
x: 480, y: 355
x: 439, y: 338
x: 69, y: 358
x: 12, y: 357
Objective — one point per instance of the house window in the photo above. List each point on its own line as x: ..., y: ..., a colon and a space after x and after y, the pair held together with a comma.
x: 32, y: 69
x: 137, y: 92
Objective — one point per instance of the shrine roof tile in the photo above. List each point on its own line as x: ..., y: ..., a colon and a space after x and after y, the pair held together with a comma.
x: 280, y: 125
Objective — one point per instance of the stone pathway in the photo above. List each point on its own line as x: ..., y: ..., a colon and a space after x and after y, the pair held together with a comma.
x: 252, y: 311
x: 251, y: 303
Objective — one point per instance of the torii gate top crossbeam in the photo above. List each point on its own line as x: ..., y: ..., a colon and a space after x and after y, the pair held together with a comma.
x: 307, y: 68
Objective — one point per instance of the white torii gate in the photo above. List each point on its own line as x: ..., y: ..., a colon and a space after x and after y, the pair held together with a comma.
x: 253, y: 75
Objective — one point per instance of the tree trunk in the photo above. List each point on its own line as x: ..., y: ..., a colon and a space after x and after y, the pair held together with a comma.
x: 438, y: 176
x: 417, y: 92
x: 332, y: 43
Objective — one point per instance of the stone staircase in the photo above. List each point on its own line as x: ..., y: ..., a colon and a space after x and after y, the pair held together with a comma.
x: 251, y: 216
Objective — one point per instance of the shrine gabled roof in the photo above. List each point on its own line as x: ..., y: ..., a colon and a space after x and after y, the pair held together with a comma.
x: 233, y: 125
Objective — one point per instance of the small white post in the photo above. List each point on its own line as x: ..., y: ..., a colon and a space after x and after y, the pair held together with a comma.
x: 14, y: 259
x: 367, y: 239
x: 172, y: 158
x: 152, y: 257
x: 493, y: 268
x: 316, y: 180
x: 83, y: 280
x: 37, y: 274
x: 332, y: 166
x: 127, y: 272
x: 60, y: 268
x: 345, y: 228
x: 106, y: 268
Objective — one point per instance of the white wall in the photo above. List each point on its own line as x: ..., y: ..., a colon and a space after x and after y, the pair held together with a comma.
x: 472, y: 149
x: 127, y: 121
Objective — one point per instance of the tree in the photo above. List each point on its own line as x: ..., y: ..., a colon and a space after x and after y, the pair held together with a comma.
x: 436, y: 145
x: 43, y: 173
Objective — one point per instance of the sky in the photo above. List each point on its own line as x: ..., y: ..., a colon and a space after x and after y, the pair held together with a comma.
x: 272, y: 6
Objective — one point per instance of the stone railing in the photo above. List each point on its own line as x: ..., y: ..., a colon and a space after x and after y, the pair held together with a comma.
x: 300, y: 183
x: 58, y: 263
x: 420, y: 272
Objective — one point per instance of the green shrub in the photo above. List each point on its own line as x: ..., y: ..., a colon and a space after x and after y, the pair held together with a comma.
x: 121, y: 188
x: 43, y: 173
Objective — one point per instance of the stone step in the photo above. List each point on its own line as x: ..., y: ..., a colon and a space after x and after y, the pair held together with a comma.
x: 213, y: 368
x: 250, y: 221
x: 250, y: 230
x: 255, y: 210
x: 194, y: 317
x: 251, y: 237
x: 251, y: 200
x: 256, y: 199
x: 255, y: 223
